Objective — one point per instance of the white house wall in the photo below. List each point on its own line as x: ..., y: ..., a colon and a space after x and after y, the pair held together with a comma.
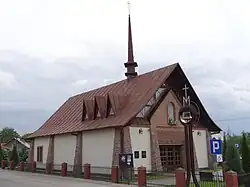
x: 98, y: 149
x: 141, y: 142
x: 201, y: 146
x: 64, y: 150
x: 41, y: 141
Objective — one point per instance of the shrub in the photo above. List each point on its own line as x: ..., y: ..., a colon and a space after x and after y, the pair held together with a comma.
x: 233, y: 159
x: 245, y: 154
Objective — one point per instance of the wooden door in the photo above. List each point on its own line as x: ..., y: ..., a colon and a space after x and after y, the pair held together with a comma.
x: 170, y: 157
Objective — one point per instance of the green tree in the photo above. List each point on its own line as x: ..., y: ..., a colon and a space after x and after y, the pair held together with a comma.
x: 1, y: 155
x: 26, y: 135
x: 7, y: 134
x: 245, y: 154
x: 23, y: 155
x: 224, y: 148
x: 14, y: 155
x: 233, y: 159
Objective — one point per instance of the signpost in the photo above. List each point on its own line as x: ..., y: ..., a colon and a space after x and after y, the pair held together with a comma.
x: 126, y: 164
x: 215, y: 147
x: 219, y: 158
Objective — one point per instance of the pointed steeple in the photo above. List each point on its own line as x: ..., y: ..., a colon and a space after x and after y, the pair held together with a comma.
x: 130, y: 64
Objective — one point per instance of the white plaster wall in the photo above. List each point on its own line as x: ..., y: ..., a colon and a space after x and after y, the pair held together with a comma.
x: 141, y: 142
x: 201, y: 146
x: 64, y: 150
x: 98, y: 149
x: 41, y: 141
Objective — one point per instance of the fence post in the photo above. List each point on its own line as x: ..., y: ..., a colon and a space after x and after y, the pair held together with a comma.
x: 33, y: 167
x: 21, y: 168
x: 4, y: 164
x: 231, y: 179
x: 12, y: 165
x: 64, y: 169
x: 115, y: 174
x: 142, y: 178
x: 86, y: 174
x: 180, y: 177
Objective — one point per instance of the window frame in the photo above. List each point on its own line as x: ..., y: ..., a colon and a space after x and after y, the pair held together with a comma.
x: 173, y: 108
x: 39, y: 155
x: 143, y: 154
x: 136, y: 154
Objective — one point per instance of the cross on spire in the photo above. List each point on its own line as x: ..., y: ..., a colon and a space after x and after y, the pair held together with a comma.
x: 128, y: 7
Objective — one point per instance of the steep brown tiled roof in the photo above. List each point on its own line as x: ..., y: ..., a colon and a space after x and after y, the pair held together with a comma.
x: 135, y: 93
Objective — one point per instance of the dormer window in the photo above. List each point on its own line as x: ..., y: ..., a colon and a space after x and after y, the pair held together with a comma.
x: 97, y: 111
x: 84, y: 114
x: 110, y: 111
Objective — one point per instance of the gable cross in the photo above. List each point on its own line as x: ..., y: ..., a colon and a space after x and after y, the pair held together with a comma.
x: 186, y: 98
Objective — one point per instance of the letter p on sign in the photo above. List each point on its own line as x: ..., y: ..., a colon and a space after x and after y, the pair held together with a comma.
x: 215, y: 147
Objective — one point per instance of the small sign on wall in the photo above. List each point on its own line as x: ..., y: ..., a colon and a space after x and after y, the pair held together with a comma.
x: 126, y: 160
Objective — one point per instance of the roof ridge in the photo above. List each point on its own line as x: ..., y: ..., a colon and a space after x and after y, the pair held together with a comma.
x: 140, y: 75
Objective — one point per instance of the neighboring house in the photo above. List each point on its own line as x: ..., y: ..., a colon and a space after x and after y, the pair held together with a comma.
x: 20, y: 144
x: 3, y: 147
x: 137, y: 115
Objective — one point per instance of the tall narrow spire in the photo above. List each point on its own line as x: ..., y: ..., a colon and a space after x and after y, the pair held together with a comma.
x: 130, y: 64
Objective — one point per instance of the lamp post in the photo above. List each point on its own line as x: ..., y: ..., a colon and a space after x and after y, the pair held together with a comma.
x: 188, y: 115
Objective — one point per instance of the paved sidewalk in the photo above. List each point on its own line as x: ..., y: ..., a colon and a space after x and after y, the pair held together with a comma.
x: 24, y: 179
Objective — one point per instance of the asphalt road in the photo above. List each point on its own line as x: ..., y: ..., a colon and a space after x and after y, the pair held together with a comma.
x: 25, y: 179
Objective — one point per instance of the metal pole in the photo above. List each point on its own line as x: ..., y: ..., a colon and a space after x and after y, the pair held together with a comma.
x: 191, y: 145
x: 187, y: 149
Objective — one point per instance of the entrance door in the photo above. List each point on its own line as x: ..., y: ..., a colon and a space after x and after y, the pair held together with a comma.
x: 170, y: 157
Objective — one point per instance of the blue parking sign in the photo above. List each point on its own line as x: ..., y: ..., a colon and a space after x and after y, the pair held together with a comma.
x: 215, y: 147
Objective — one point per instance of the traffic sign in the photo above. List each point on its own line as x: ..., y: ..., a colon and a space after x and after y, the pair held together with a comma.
x: 237, y: 145
x: 219, y: 158
x: 215, y: 147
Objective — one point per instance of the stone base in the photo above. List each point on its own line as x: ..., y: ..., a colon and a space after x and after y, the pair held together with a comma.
x: 77, y: 171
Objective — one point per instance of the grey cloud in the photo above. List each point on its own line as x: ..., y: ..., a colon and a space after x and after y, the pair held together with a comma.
x: 44, y: 86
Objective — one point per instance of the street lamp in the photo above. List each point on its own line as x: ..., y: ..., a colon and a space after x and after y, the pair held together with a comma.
x: 188, y: 115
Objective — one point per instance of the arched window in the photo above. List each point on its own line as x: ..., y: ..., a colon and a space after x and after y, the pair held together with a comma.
x: 171, y: 112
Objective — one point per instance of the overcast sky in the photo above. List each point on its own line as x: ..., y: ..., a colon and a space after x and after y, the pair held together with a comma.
x: 52, y: 49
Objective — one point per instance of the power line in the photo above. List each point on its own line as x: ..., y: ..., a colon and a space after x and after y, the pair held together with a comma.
x: 233, y: 119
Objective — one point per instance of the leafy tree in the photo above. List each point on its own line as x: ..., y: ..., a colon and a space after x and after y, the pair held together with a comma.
x: 224, y: 148
x: 26, y: 135
x: 7, y: 134
x: 233, y: 159
x: 14, y: 155
x: 5, y: 155
x: 245, y: 154
x: 1, y: 154
x: 23, y: 155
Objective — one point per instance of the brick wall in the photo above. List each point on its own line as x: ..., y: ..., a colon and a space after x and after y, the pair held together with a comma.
x: 127, y: 140
x: 50, y: 155
x: 117, y: 144
x: 117, y: 147
x: 166, y: 134
x: 77, y: 169
x: 31, y: 151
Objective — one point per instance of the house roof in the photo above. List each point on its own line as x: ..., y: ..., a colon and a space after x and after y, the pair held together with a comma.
x: 21, y: 141
x: 138, y: 91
